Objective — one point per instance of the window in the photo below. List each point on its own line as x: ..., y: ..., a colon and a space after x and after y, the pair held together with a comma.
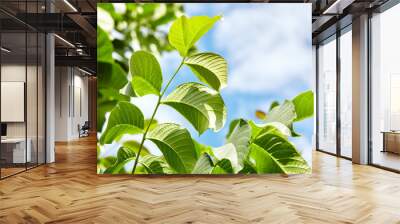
x: 385, y: 89
x: 22, y: 78
x: 346, y: 93
x: 327, y: 96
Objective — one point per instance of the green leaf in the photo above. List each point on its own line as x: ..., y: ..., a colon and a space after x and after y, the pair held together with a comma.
x: 106, y: 162
x: 134, y: 146
x: 279, y: 155
x: 202, y: 106
x: 228, y: 152
x: 117, y: 131
x: 304, y: 105
x: 125, y: 118
x: 204, y: 165
x: 223, y: 166
x: 248, y: 168
x: 236, y: 149
x: 201, y: 148
x: 146, y: 73
x: 106, y: 101
x: 119, y: 167
x: 152, y: 164
x: 108, y: 94
x: 262, y: 161
x: 153, y: 124
x: 210, y: 68
x: 148, y: 164
x: 111, y: 75
x: 185, y: 32
x: 273, y: 105
x: 104, y: 46
x: 284, y: 113
x: 125, y: 153
x: 240, y: 138
x: 102, y: 109
x: 276, y: 127
x: 176, y: 145
x: 128, y: 90
x: 232, y: 127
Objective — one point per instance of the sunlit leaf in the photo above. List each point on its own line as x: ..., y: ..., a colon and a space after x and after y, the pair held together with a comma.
x: 232, y: 127
x: 240, y: 138
x: 110, y: 75
x: 275, y: 127
x: 273, y: 105
x: 201, y: 149
x: 148, y: 164
x: 104, y: 163
x: 263, y: 162
x: 228, y: 152
x: 146, y: 73
x: 279, y: 155
x: 176, y: 145
x: 104, y: 46
x: 134, y: 146
x: 202, y: 106
x: 152, y: 164
x: 185, y: 32
x: 284, y: 113
x: 125, y: 118
x: 107, y: 99
x: 117, y: 131
x: 223, y: 166
x: 304, y: 105
x: 210, y: 68
x: 236, y: 148
x: 119, y: 166
x: 248, y: 168
x: 125, y: 153
x: 128, y: 90
x: 204, y: 165
x: 153, y: 124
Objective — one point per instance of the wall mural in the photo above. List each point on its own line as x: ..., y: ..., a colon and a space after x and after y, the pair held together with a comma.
x: 204, y: 88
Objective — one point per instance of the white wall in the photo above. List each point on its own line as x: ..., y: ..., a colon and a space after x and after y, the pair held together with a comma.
x: 16, y: 73
x: 61, y: 103
x: 70, y: 83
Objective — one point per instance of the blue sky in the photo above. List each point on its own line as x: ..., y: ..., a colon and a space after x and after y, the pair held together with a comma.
x: 269, y: 55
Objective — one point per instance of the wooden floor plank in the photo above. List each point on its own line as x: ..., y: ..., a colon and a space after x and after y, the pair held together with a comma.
x: 70, y: 191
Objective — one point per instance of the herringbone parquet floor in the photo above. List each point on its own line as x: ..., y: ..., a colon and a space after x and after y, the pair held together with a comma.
x: 69, y: 191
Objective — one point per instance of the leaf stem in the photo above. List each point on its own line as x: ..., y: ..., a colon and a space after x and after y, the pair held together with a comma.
x: 154, y: 113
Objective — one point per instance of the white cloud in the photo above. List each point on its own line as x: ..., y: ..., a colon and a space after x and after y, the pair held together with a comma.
x: 268, y: 47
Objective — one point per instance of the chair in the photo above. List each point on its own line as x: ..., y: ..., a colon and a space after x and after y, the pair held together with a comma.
x: 84, y: 130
